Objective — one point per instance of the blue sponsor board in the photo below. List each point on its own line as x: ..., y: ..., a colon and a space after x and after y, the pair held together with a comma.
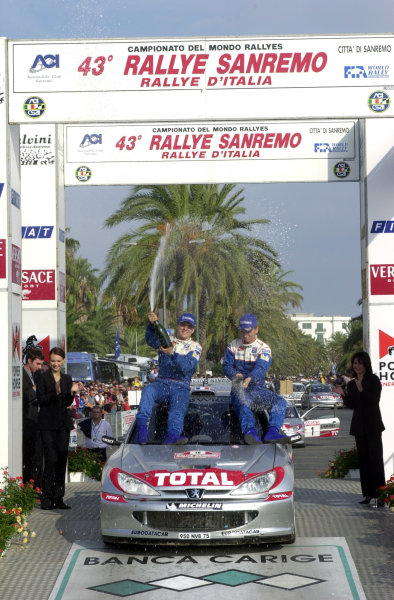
x: 369, y: 72
x: 1, y: 188
x: 32, y: 232
x: 15, y: 198
x: 382, y: 227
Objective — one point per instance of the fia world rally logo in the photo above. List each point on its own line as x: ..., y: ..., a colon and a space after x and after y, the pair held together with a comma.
x: 378, y: 101
x: 49, y: 61
x: 341, y: 147
x: 354, y: 72
x: 83, y: 173
x: 88, y: 140
x: 34, y: 107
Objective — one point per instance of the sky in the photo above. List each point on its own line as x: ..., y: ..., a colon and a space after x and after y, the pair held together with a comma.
x: 315, y: 228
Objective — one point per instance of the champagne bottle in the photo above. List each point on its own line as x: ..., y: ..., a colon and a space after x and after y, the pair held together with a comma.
x: 162, y: 335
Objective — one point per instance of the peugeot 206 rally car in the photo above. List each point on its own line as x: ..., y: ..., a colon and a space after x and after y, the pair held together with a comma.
x: 215, y: 489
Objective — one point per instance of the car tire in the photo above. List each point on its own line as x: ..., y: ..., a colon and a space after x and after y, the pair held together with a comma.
x: 289, y: 539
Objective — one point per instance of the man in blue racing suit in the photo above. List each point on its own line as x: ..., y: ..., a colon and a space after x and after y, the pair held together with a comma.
x: 176, y: 367
x: 246, y: 361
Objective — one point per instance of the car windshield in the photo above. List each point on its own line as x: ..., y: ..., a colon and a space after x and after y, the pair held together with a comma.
x: 321, y: 388
x: 298, y: 387
x: 79, y: 370
x: 291, y: 413
x: 209, y: 420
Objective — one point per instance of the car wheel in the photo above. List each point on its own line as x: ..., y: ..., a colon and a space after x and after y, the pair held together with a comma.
x: 289, y: 539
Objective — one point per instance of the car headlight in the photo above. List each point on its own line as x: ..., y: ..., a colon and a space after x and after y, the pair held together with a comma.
x: 260, y: 484
x: 130, y: 484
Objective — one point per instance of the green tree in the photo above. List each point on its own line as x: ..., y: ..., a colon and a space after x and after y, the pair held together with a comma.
x: 91, y: 322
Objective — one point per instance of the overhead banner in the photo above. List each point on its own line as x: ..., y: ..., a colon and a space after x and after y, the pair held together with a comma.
x: 290, y: 77
x: 247, y: 151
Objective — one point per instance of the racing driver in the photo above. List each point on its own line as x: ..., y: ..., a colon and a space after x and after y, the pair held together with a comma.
x: 246, y: 361
x: 176, y: 367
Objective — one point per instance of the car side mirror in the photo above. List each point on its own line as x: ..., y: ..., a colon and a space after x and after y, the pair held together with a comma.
x: 110, y: 441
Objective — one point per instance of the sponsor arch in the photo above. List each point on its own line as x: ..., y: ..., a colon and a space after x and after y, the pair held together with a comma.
x: 91, y: 111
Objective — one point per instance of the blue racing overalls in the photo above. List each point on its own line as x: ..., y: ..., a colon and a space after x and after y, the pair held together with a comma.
x: 252, y: 360
x: 172, y: 383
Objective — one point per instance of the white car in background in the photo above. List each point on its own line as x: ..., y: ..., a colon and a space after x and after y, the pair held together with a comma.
x: 320, y: 425
x: 310, y: 425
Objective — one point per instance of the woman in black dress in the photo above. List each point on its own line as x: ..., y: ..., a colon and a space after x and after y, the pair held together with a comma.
x: 363, y: 396
x: 54, y: 394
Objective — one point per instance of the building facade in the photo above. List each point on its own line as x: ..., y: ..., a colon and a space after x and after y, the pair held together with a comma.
x: 320, y: 328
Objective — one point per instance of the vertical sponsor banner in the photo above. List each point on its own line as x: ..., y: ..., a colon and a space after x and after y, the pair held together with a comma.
x: 60, y: 239
x: 10, y: 284
x: 378, y: 242
x: 43, y: 226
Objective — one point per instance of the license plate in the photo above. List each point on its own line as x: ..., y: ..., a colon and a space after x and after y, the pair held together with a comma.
x: 194, y: 536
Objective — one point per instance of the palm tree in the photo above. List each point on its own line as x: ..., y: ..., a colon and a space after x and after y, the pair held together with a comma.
x: 91, y: 323
x: 82, y: 282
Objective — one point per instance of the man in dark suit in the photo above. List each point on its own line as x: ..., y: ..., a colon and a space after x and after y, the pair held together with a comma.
x: 32, y: 447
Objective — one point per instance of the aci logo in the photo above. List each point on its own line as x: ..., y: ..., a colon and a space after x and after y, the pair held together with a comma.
x: 378, y: 101
x: 88, y: 140
x: 341, y: 170
x: 382, y: 227
x: 31, y: 232
x: 83, y: 173
x: 34, y: 107
x: 355, y: 72
x: 340, y: 147
x: 44, y: 62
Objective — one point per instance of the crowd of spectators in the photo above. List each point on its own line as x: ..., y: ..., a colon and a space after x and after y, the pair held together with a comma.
x: 111, y: 398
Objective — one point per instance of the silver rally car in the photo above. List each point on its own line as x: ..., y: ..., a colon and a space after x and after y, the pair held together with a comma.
x: 213, y: 490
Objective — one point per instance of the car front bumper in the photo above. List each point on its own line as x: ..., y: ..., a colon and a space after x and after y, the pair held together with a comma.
x: 153, y: 521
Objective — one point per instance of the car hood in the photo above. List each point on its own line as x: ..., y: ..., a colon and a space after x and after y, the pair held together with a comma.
x: 248, y: 459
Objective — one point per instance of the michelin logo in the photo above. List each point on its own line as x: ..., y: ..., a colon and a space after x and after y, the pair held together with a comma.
x: 370, y: 72
x: 341, y: 147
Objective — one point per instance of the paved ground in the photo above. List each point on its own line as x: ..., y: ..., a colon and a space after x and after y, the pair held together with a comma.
x: 324, y: 508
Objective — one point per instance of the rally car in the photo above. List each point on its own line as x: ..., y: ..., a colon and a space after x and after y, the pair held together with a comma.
x: 320, y: 425
x: 213, y: 490
x: 308, y: 425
